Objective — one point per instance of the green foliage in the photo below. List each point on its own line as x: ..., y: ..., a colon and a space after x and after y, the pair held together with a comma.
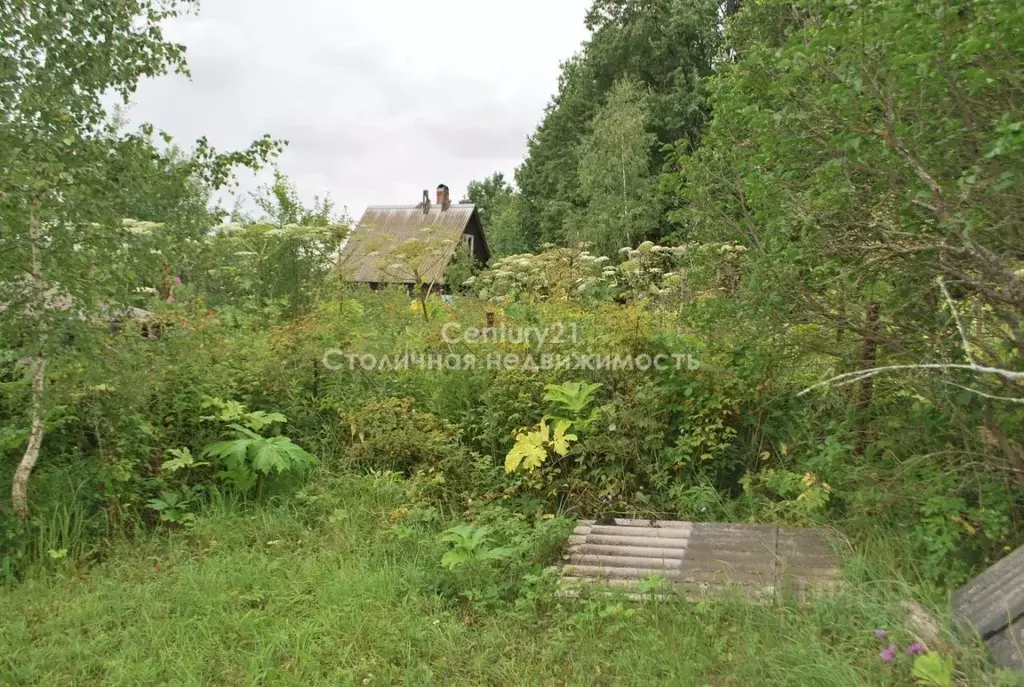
x: 496, y: 203
x: 461, y: 269
x: 559, y: 273
x: 234, y: 412
x: 270, y: 268
x: 933, y: 668
x: 533, y: 446
x: 281, y: 206
x: 664, y: 48
x: 248, y: 455
x: 855, y: 188
x: 573, y: 398
x: 468, y: 547
x: 182, y: 460
x: 851, y: 201
x: 175, y: 506
x: 290, y: 573
x: 800, y: 499
x: 70, y: 175
x: 500, y: 557
x: 614, y: 174
x: 392, y: 434
x: 666, y: 275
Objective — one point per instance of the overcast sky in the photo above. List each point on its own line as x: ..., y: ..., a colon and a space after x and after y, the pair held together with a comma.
x: 379, y: 100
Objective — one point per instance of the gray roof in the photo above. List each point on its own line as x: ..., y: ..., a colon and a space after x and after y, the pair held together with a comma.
x: 366, y: 255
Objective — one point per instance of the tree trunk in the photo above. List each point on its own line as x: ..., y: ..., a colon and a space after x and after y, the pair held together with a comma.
x: 423, y: 294
x: 868, y: 353
x: 19, y: 488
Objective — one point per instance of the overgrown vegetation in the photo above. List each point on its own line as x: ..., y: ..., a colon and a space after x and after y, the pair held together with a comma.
x: 768, y: 271
x: 335, y: 587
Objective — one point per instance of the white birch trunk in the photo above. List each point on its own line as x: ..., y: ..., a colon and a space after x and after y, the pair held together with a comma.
x: 19, y: 487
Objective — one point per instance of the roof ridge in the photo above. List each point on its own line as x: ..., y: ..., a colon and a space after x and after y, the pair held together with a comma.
x: 417, y: 207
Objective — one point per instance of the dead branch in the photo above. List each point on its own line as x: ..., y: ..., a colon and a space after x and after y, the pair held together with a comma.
x: 959, y: 324
x: 845, y: 378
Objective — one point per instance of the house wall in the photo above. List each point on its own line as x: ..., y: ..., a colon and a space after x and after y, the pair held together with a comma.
x: 479, y: 244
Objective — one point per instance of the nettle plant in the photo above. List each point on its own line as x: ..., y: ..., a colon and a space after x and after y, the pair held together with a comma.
x: 552, y: 435
x: 247, y: 456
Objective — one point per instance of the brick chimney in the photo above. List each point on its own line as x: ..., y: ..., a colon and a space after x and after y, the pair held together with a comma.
x: 443, y: 197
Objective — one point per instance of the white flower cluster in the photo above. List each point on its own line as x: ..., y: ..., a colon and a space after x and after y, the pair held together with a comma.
x: 555, y: 273
x: 141, y: 228
x: 649, y: 271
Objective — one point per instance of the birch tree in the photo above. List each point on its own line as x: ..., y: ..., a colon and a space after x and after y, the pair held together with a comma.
x: 60, y: 153
x: 615, y: 173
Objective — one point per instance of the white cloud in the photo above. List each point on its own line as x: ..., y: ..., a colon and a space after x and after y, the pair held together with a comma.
x: 379, y: 100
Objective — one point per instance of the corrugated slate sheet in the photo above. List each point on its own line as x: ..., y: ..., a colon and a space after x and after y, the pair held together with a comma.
x: 993, y: 605
x: 364, y: 257
x: 763, y: 561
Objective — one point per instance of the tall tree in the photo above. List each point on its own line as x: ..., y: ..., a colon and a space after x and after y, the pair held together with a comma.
x: 62, y: 163
x: 615, y: 174
x: 668, y: 47
x: 280, y: 204
x: 496, y: 202
x: 548, y: 179
x: 488, y: 195
x: 870, y: 156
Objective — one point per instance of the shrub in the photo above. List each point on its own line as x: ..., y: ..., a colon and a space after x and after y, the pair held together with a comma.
x: 391, y: 434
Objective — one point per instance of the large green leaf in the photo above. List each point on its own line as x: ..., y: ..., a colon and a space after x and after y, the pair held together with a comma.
x: 234, y: 453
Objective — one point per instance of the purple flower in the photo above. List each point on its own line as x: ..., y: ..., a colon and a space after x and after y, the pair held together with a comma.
x: 916, y: 648
x: 170, y: 299
x: 888, y: 653
x: 880, y: 634
x: 177, y: 280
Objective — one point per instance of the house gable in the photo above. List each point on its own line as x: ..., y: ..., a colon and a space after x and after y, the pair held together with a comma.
x: 365, y: 255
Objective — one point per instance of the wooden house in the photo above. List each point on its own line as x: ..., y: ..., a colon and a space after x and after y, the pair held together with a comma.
x: 410, y: 244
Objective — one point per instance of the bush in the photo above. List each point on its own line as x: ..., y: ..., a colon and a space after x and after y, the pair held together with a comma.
x: 390, y: 434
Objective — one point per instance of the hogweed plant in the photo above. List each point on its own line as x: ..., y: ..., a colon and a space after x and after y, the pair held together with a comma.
x: 534, y: 446
x: 469, y: 545
x: 247, y: 455
x: 470, y: 561
x: 175, y: 506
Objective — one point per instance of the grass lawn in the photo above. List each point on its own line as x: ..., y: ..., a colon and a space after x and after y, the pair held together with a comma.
x: 323, y: 593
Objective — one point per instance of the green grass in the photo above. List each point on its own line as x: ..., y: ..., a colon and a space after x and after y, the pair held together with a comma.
x: 322, y: 593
